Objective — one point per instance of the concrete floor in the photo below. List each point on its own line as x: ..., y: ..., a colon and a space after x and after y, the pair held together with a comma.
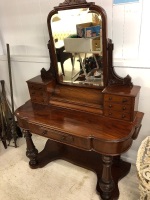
x: 59, y: 180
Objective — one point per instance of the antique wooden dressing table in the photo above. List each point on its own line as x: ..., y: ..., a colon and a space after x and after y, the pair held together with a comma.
x: 89, y: 121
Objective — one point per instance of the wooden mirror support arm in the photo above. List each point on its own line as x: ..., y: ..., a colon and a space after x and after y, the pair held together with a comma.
x: 113, y: 78
x: 51, y: 73
x: 110, y: 75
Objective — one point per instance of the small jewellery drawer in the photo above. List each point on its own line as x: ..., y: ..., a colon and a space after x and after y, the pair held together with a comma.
x: 36, y: 93
x: 39, y: 99
x: 37, y: 87
x: 117, y: 99
x: 117, y: 115
x: 117, y: 107
x: 72, y: 140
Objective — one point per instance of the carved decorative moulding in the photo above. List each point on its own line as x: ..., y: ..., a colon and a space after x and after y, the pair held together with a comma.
x: 115, y: 80
x: 72, y: 2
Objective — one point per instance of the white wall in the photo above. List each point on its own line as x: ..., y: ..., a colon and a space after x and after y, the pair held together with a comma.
x: 23, y: 26
x: 22, y: 69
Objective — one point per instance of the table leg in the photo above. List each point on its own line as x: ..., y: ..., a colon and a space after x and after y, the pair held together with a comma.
x: 31, y: 152
x: 106, y: 183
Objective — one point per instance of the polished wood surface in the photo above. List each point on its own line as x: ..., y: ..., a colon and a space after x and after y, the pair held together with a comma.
x: 90, y: 132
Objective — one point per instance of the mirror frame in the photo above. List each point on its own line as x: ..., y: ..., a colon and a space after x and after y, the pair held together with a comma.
x: 109, y: 75
x: 68, y: 5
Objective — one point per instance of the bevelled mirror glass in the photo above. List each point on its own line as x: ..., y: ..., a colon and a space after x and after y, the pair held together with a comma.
x: 79, y: 38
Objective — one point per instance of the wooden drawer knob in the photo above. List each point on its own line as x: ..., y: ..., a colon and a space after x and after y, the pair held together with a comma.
x: 123, y: 116
x: 124, y: 100
x: 110, y: 98
x: 124, y: 108
x: 44, y: 132
x: 110, y: 106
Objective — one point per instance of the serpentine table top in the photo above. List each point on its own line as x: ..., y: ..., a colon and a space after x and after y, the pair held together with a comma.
x: 101, y: 134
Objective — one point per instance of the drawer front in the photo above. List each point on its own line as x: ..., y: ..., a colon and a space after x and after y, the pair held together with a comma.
x: 80, y: 142
x: 38, y: 99
x: 117, y: 99
x: 117, y: 115
x: 38, y: 93
x: 34, y: 93
x: 37, y: 87
x: 117, y: 107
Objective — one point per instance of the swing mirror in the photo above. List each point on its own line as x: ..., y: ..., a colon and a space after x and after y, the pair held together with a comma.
x: 78, y: 33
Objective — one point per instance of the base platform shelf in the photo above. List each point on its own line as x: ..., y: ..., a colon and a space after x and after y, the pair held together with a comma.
x: 89, y: 160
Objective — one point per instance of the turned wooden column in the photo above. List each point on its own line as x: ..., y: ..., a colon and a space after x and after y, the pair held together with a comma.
x: 106, y: 183
x: 31, y: 152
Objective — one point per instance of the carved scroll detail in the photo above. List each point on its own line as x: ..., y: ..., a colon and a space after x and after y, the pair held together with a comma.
x: 113, y: 78
x: 50, y: 73
x: 120, y: 81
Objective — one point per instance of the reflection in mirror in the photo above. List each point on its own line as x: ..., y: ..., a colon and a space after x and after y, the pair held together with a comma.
x: 77, y: 37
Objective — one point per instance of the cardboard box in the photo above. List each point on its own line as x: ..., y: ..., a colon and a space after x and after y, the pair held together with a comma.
x: 96, y: 45
x: 82, y: 45
x: 88, y: 30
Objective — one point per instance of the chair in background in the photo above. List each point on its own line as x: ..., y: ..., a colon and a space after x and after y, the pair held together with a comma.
x: 62, y: 56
